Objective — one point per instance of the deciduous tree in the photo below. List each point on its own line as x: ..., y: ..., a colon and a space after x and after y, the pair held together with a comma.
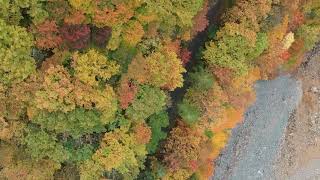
x: 157, y: 122
x: 127, y: 92
x: 75, y: 123
x: 149, y: 100
x: 47, y: 35
x: 56, y: 92
x: 39, y: 144
x: 189, y: 113
x: 160, y: 69
x: 182, y: 147
x: 15, y: 49
x: 93, y: 67
x: 133, y: 33
x: 120, y: 152
x: 75, y: 37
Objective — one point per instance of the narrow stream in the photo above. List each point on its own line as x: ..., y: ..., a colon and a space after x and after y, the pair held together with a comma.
x: 216, y: 10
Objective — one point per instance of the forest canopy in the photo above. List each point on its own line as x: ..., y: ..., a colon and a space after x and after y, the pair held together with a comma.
x: 136, y: 89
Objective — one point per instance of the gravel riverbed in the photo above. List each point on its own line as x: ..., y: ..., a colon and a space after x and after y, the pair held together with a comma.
x: 254, y: 144
x: 279, y: 138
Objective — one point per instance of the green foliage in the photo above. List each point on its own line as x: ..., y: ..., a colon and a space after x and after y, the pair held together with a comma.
x: 120, y: 122
x: 115, y: 39
x: 188, y: 112
x: 312, y: 9
x: 76, y: 123
x: 208, y: 133
x: 260, y: 46
x: 212, y: 31
x: 16, y: 64
x: 310, y: 33
x: 201, y: 79
x: 149, y: 46
x: 123, y: 55
x: 158, y: 171
x: 10, y: 11
x: 70, y: 100
x: 235, y: 52
x: 39, y: 144
x: 228, y: 53
x: 178, y: 12
x: 157, y: 122
x: 80, y: 154
x: 148, y: 101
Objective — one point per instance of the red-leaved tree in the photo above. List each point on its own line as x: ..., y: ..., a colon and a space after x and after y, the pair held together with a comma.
x: 185, y: 56
x: 127, y: 93
x: 100, y: 36
x: 75, y: 36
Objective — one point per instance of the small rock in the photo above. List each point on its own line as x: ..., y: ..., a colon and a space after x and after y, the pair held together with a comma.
x: 260, y: 173
x: 314, y: 89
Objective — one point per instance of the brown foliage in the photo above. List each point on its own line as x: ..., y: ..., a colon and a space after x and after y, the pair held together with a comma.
x: 240, y: 92
x: 185, y: 56
x: 111, y: 17
x: 173, y: 46
x: 20, y: 97
x: 182, y: 148
x: 270, y: 62
x: 276, y: 35
x: 77, y: 17
x: 55, y: 60
x: 249, y: 13
x: 211, y: 104
x: 296, y: 21
x: 291, y: 6
x: 11, y: 131
x: 271, y: 59
x: 142, y: 133
x: 223, y: 75
x: 127, y: 93
x: 48, y: 35
x: 133, y: 33
x: 200, y: 21
x: 160, y: 69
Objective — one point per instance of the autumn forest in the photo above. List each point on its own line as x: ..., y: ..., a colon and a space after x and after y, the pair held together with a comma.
x: 136, y: 89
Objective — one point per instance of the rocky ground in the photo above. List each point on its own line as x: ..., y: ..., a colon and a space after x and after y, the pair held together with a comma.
x: 280, y: 135
x: 254, y: 145
x: 300, y: 155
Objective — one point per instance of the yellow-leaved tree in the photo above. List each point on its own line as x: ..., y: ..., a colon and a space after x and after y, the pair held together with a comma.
x: 93, y: 67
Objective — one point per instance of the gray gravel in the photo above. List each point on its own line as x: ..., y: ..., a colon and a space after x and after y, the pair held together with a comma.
x: 254, y: 144
x: 309, y: 172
